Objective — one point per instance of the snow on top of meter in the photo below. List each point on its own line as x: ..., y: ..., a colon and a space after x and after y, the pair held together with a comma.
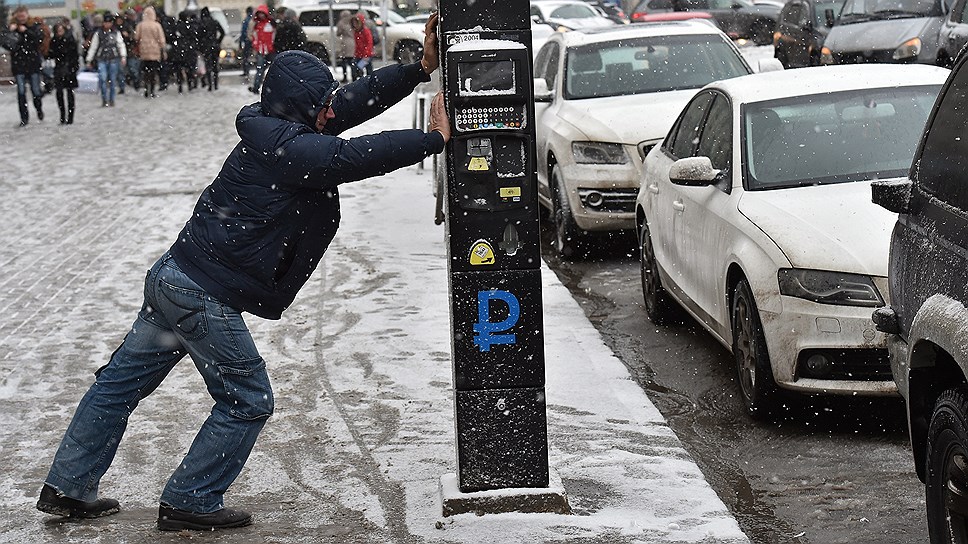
x: 487, y: 45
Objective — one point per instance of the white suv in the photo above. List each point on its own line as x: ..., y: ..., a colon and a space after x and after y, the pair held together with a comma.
x: 404, y: 40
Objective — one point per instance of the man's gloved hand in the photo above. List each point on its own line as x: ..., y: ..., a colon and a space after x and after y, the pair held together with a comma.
x: 438, y: 117
x: 431, y: 55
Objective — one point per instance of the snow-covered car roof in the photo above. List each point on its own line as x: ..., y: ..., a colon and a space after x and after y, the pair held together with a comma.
x: 827, y: 79
x: 638, y: 30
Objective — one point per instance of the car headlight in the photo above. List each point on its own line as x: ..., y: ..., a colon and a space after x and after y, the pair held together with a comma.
x: 826, y: 56
x: 908, y: 49
x: 599, y: 153
x: 828, y: 287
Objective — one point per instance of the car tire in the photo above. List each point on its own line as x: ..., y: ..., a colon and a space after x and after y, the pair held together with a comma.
x: 408, y: 52
x: 946, y: 463
x: 761, y: 33
x: 754, y: 374
x: 569, y: 238
x: 319, y: 51
x: 658, y: 305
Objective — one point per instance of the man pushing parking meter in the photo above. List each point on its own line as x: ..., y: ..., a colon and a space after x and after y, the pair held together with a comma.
x: 494, y: 256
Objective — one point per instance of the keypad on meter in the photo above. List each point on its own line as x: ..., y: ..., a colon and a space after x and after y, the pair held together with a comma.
x: 489, y: 118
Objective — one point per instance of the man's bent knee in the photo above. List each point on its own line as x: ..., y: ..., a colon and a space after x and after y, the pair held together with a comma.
x: 247, y: 388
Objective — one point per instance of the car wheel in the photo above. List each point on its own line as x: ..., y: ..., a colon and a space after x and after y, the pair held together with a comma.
x: 658, y: 306
x: 753, y: 371
x: 568, y: 236
x: 319, y: 51
x: 946, y: 484
x: 408, y: 52
x: 761, y: 33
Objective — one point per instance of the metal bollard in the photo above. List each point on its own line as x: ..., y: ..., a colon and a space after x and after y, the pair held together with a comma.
x: 420, y: 118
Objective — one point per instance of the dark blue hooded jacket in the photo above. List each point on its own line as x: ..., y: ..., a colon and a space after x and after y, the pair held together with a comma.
x: 259, y: 230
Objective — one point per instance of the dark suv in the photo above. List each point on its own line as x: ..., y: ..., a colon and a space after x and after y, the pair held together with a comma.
x: 927, y: 319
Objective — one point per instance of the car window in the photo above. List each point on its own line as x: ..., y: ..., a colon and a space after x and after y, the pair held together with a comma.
x: 819, y: 16
x: 649, y: 64
x: 572, y: 11
x: 959, y: 13
x: 720, y: 4
x: 716, y: 140
x: 888, y: 9
x: 546, y: 64
x: 551, y: 70
x: 833, y: 138
x: 944, y: 157
x: 687, y: 129
x: 314, y: 18
x: 535, y: 12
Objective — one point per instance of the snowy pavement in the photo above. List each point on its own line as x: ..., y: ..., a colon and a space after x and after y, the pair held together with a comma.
x: 360, y: 364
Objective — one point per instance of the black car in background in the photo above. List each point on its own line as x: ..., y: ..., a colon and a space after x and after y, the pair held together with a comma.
x: 801, y: 29
x: 737, y: 18
x: 895, y: 31
x: 927, y: 319
x: 953, y: 35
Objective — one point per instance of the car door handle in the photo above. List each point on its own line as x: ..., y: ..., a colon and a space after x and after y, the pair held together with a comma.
x: 653, y: 188
x: 678, y: 206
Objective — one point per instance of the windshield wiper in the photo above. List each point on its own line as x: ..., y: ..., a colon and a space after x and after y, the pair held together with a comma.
x: 898, y: 13
x: 847, y: 18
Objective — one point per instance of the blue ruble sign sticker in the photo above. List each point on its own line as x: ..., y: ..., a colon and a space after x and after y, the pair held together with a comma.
x: 485, y: 329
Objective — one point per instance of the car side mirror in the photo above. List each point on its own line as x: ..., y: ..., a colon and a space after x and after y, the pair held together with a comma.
x: 828, y: 17
x: 768, y: 65
x: 541, y: 91
x: 695, y: 171
x: 893, y: 195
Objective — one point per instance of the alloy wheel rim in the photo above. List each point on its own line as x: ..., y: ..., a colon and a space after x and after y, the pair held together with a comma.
x: 955, y: 493
x: 745, y: 351
x: 648, y: 272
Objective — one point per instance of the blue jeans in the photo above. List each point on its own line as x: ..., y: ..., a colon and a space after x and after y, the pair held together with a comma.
x: 33, y: 79
x: 177, y: 318
x: 263, y: 62
x: 107, y: 78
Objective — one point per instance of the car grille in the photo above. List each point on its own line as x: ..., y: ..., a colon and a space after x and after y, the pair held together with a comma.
x: 620, y: 200
x: 861, y: 364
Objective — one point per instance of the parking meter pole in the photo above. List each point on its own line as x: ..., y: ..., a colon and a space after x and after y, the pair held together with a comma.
x: 494, y: 259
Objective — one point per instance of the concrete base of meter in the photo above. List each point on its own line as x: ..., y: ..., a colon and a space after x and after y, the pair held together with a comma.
x: 529, y: 500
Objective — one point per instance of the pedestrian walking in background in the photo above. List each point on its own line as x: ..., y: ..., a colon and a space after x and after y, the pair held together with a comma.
x: 363, y: 53
x: 184, y: 52
x: 107, y: 48
x: 254, y: 238
x: 245, y: 44
x: 150, y: 38
x: 24, y: 39
x: 210, y: 34
x: 346, y: 44
x: 262, y: 34
x: 168, y: 24
x: 128, y: 26
x: 66, y: 56
x: 289, y: 33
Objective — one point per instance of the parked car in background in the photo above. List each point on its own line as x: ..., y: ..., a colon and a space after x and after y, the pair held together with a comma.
x: 404, y: 41
x: 927, y: 318
x: 666, y: 16
x: 603, y: 99
x: 737, y: 18
x: 755, y: 216
x: 801, y: 30
x: 612, y: 10
x: 896, y: 31
x: 569, y: 14
x: 954, y: 34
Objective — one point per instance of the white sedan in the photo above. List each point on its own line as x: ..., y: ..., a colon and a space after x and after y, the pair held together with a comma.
x: 603, y: 98
x: 755, y: 215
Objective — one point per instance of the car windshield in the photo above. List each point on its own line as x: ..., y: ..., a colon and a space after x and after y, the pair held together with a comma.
x: 395, y: 18
x: 648, y: 65
x: 882, y: 9
x: 819, y: 19
x: 834, y: 138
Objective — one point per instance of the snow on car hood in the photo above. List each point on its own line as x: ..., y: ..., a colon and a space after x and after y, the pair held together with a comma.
x: 875, y: 35
x: 825, y: 227
x: 627, y: 119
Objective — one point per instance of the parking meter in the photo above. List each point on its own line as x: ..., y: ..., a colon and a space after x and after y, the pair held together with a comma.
x: 494, y: 245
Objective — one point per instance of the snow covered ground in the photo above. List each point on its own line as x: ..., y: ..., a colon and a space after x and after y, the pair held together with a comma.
x: 360, y: 364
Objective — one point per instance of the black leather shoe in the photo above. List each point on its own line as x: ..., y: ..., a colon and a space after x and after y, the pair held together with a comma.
x: 53, y: 502
x: 173, y: 519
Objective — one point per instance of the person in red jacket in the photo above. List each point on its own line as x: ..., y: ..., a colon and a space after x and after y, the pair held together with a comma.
x: 262, y: 33
x: 363, y: 55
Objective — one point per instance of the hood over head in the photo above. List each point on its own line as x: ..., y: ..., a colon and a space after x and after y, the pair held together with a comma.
x: 204, y: 13
x: 263, y: 9
x: 148, y: 14
x: 296, y: 86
